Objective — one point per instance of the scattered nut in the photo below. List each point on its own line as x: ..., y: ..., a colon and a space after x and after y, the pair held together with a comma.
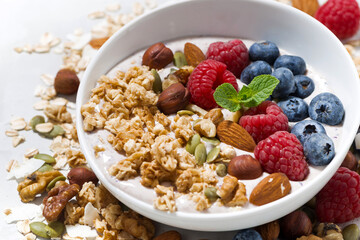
x: 350, y: 161
x: 329, y: 231
x: 81, y: 175
x: 96, y: 43
x: 66, y: 81
x: 295, y: 224
x: 308, y: 6
x: 215, y: 115
x: 157, y: 56
x: 245, y: 167
x: 169, y: 235
x: 205, y: 127
x: 173, y: 99
x: 269, y: 231
x: 193, y: 54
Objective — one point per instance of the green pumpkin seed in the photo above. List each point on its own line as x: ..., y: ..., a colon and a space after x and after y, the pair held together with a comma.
x: 212, y: 141
x: 185, y: 112
x: 213, y: 154
x: 200, y: 154
x: 45, y: 157
x: 36, y: 120
x: 221, y: 170
x: 192, y: 143
x: 45, y: 168
x: 55, y: 229
x: 53, y: 182
x: 157, y: 85
x: 173, y: 70
x: 179, y: 59
x: 56, y: 131
x: 39, y: 229
x: 210, y: 193
x: 351, y: 232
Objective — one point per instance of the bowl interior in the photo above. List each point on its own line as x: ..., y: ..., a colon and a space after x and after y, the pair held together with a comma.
x: 290, y: 29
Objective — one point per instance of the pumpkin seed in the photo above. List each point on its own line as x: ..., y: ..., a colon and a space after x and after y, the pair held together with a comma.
x: 213, y: 154
x: 53, y: 182
x: 212, y: 141
x: 39, y: 229
x: 56, y: 131
x: 36, y: 120
x: 45, y: 168
x: 210, y: 193
x: 192, y: 143
x: 55, y: 229
x: 45, y: 157
x: 200, y: 154
x: 157, y: 85
x: 351, y: 232
x: 221, y: 170
x: 173, y: 70
x: 179, y: 59
x: 185, y: 112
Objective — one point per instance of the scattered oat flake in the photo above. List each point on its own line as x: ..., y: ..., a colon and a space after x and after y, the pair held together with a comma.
x: 18, y: 49
x: 151, y: 4
x: 46, y: 39
x: 17, y: 140
x: 138, y: 9
x: 41, y: 105
x: 47, y: 79
x: 31, y: 152
x: 59, y: 101
x: 18, y: 124
x: 29, y: 236
x: 81, y: 42
x: 55, y: 42
x: 71, y: 105
x: 28, y: 48
x: 78, y: 32
x: 44, y: 127
x: 23, y: 226
x: 42, y: 48
x: 11, y: 133
x: 96, y: 15
x: 39, y: 90
x: 10, y: 165
x: 113, y: 7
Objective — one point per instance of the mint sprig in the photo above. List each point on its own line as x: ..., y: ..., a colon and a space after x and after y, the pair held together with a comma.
x: 260, y: 88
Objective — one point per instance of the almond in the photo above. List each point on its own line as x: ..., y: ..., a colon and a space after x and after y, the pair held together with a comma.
x: 193, y: 54
x: 169, y: 235
x: 271, y: 188
x: 308, y: 6
x: 96, y: 43
x: 235, y: 135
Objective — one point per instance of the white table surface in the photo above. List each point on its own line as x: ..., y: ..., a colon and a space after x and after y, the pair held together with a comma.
x: 21, y: 22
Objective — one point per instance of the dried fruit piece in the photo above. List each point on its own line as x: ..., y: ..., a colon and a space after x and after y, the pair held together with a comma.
x: 271, y: 188
x: 193, y: 54
x: 308, y: 6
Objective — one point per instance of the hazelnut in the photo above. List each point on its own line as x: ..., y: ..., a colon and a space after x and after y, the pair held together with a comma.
x: 66, y: 81
x: 295, y: 224
x: 169, y: 235
x: 350, y: 161
x: 245, y: 167
x: 157, y: 56
x: 173, y: 99
x: 81, y: 175
x: 269, y: 231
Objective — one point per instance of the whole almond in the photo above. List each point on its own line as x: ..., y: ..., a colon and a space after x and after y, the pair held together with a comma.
x: 81, y: 175
x: 245, y: 167
x: 157, y: 56
x: 169, y: 235
x: 173, y: 99
x: 96, y: 43
x: 235, y: 135
x: 269, y: 231
x: 66, y: 81
x: 308, y: 6
x: 271, y: 188
x: 193, y: 54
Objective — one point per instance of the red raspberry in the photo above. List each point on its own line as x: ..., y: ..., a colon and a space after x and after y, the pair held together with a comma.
x: 282, y: 152
x: 233, y: 53
x: 264, y: 120
x: 205, y: 78
x: 342, y: 17
x: 339, y: 200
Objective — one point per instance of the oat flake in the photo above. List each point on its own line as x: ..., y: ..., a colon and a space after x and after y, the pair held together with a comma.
x: 41, y: 105
x: 47, y: 79
x: 17, y: 140
x: 23, y: 226
x: 18, y: 124
x: 44, y: 127
x: 96, y: 15
x: 11, y: 133
x: 31, y: 152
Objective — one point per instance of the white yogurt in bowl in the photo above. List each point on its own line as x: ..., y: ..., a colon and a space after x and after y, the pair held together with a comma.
x: 234, y: 15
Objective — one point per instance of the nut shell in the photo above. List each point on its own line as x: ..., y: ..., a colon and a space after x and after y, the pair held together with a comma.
x: 81, y: 175
x: 295, y: 224
x: 66, y: 81
x: 157, y: 56
x: 245, y: 167
x: 173, y: 99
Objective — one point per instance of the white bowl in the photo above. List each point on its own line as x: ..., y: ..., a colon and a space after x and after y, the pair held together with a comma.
x: 291, y: 29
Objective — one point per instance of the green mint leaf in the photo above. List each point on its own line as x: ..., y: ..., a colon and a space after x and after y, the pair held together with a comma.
x: 260, y: 88
x: 226, y: 96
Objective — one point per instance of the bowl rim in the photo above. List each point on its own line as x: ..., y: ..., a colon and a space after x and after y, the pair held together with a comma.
x: 161, y: 216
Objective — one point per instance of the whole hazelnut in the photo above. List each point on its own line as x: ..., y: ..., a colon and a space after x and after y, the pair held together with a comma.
x: 66, y: 81
x: 245, y: 167
x: 81, y: 175
x: 350, y: 161
x: 173, y: 99
x: 157, y: 56
x: 269, y: 231
x: 295, y: 224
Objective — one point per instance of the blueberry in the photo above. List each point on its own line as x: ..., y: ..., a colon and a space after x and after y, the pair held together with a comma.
x: 319, y: 149
x: 304, y: 86
x: 255, y: 69
x: 265, y: 51
x: 326, y: 108
x: 286, y: 85
x: 294, y: 63
x: 294, y: 108
x: 247, y: 234
x: 304, y: 129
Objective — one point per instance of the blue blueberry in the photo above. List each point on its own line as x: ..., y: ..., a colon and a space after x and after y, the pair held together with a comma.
x: 294, y: 108
x: 265, y: 51
x: 319, y: 149
x: 304, y: 86
x: 255, y: 69
x: 286, y: 85
x: 294, y: 63
x: 304, y: 129
x: 326, y: 108
x: 247, y: 234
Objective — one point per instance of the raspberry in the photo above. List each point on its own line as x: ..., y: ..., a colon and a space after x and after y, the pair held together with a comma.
x: 264, y: 120
x: 282, y: 152
x: 342, y: 17
x: 339, y: 200
x: 233, y: 53
x: 205, y: 78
